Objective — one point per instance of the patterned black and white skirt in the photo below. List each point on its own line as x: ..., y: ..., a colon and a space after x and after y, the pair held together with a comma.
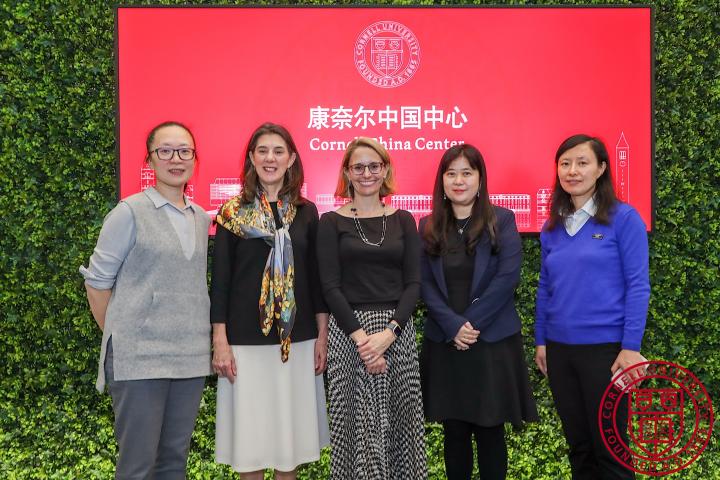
x: 376, y: 421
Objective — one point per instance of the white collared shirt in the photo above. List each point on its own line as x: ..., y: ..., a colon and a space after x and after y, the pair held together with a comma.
x: 575, y: 222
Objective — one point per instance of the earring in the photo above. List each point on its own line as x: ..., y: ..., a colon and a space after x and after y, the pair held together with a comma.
x: 478, y: 193
x: 444, y: 197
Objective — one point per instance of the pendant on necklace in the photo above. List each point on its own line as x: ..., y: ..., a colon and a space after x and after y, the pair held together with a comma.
x: 460, y: 229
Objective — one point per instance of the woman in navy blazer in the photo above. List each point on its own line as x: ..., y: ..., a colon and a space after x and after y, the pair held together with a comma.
x: 474, y: 375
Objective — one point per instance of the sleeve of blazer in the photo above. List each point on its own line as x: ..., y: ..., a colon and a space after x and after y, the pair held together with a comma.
x: 483, y: 309
x: 436, y: 303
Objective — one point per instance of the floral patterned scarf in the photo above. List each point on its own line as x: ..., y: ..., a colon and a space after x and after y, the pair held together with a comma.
x: 277, y: 294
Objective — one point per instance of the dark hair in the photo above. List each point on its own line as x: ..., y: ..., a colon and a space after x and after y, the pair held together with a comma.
x: 561, y: 205
x: 442, y: 219
x: 294, y: 176
x: 344, y: 186
x: 151, y: 136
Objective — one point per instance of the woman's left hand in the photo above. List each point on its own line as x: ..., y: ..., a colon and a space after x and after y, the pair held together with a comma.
x: 628, y: 358
x: 321, y: 347
x: 374, y: 346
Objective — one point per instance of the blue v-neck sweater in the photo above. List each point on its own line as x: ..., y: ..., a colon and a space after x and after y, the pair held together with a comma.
x: 594, y: 286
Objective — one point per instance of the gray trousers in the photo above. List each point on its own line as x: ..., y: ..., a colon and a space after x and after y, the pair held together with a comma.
x: 154, y: 420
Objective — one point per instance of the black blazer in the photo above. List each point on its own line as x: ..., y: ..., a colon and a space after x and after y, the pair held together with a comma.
x: 495, y: 277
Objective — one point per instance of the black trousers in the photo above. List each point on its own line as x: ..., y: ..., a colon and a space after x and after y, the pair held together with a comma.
x: 579, y: 375
x: 491, y: 450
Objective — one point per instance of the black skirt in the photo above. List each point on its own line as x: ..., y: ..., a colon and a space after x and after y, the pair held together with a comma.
x: 486, y: 385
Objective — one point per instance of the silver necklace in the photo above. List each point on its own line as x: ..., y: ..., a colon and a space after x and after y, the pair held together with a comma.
x: 359, y: 229
x: 462, y: 229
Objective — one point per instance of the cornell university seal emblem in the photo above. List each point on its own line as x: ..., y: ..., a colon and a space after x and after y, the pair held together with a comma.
x: 387, y: 54
x: 669, y: 418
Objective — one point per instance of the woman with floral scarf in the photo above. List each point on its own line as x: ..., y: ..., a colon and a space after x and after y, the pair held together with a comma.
x: 270, y: 324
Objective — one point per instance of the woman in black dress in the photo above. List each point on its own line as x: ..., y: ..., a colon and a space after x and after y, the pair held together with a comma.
x: 474, y: 376
x: 368, y: 255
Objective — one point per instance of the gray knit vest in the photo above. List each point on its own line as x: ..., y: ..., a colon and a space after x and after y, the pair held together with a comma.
x: 159, y: 310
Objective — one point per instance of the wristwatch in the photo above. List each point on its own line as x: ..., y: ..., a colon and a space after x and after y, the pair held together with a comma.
x: 395, y: 328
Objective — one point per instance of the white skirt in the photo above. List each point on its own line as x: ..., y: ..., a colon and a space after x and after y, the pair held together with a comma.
x: 274, y: 415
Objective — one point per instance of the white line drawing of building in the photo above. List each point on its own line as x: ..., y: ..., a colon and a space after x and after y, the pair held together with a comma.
x: 543, y: 197
x: 519, y: 203
x: 147, y: 177
x: 622, y: 168
x: 190, y: 191
x: 327, y: 202
x: 222, y: 190
x: 418, y: 205
x: 303, y: 190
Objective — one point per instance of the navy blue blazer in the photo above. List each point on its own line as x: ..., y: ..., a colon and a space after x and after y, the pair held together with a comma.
x: 495, y: 277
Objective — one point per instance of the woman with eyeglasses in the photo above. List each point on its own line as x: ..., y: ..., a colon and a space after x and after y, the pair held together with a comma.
x: 147, y: 288
x: 474, y: 375
x: 268, y: 316
x: 368, y: 254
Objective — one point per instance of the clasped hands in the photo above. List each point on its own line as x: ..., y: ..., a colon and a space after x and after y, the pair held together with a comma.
x: 371, y: 349
x: 466, y: 336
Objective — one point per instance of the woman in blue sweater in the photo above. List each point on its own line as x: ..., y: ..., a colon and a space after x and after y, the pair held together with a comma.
x: 592, y: 299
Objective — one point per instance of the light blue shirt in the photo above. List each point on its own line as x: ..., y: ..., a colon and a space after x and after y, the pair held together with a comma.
x: 117, y: 238
x: 575, y: 222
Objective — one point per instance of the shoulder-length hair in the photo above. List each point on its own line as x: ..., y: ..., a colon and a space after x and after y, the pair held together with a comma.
x: 294, y: 176
x: 442, y: 220
x: 561, y: 205
x: 344, y: 187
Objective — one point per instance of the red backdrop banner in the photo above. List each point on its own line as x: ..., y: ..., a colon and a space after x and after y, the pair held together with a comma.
x: 514, y: 82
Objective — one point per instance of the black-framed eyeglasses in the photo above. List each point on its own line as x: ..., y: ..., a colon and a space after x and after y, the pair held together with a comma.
x: 359, y: 168
x: 166, y: 153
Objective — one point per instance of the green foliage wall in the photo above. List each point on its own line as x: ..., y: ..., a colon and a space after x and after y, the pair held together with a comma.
x: 57, y: 180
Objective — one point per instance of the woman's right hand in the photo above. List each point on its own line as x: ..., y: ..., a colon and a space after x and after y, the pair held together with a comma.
x: 223, y: 362
x: 541, y: 359
x: 466, y: 336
